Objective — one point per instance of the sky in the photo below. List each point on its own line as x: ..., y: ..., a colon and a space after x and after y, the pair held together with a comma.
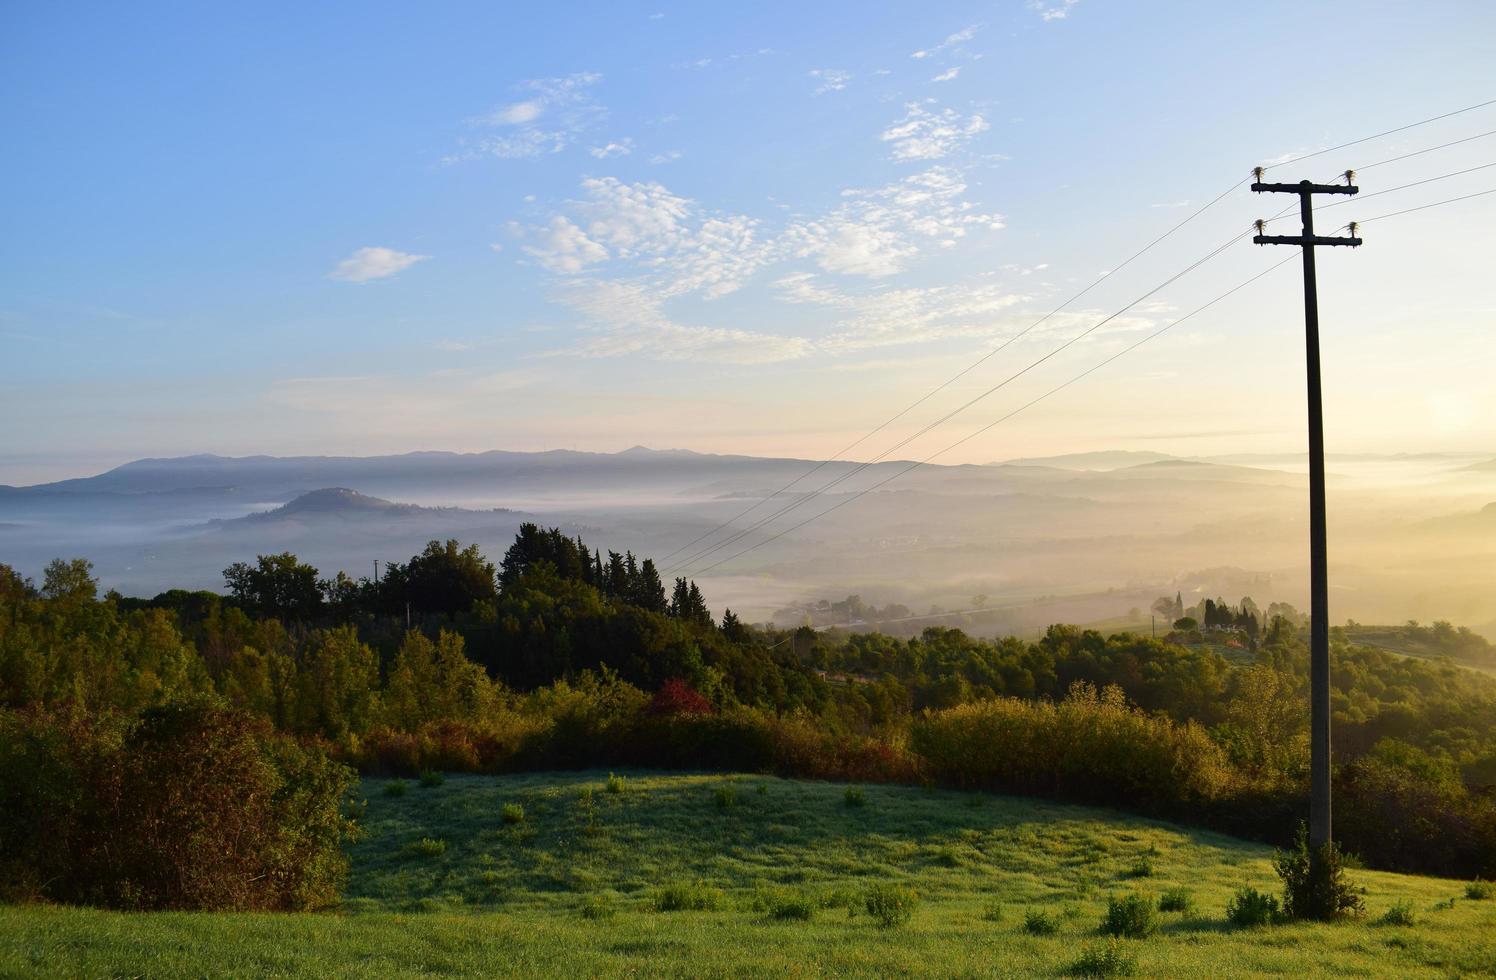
x: 764, y: 229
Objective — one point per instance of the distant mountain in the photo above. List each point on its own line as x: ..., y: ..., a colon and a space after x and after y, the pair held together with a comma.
x: 340, y: 502
x: 1489, y: 466
x: 1109, y: 459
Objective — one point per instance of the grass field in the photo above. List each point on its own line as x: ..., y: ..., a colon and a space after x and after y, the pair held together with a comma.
x: 705, y: 875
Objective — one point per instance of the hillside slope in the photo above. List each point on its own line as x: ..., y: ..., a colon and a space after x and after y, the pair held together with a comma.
x: 572, y: 888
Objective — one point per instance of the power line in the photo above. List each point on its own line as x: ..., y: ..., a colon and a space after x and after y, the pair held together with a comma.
x: 956, y: 411
x: 1055, y: 390
x: 1425, y: 207
x: 1066, y: 384
x: 1416, y: 153
x: 1389, y: 190
x: 1367, y: 139
x: 957, y: 376
x: 949, y: 381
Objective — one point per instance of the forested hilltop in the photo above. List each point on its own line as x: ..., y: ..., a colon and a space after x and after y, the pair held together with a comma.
x: 126, y: 718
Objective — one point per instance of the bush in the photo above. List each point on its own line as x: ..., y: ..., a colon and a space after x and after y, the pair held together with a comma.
x: 1479, y: 890
x: 395, y: 787
x: 1111, y: 960
x: 1091, y: 748
x: 616, y: 783
x: 1249, y: 907
x: 1037, y: 923
x: 596, y: 907
x: 993, y: 912
x: 1133, y: 917
x: 726, y: 797
x: 426, y: 847
x: 948, y: 857
x: 512, y: 813
x: 676, y: 697
x: 1176, y: 900
x: 192, y: 806
x: 431, y: 777
x: 788, y: 903
x: 1316, y: 889
x: 1400, y: 914
x: 1141, y: 868
x: 853, y: 796
x: 890, y: 905
x: 687, y: 897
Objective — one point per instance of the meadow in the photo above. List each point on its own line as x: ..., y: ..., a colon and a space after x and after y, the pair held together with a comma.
x: 646, y: 873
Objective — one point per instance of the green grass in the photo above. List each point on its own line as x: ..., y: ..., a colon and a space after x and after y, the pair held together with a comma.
x: 574, y: 889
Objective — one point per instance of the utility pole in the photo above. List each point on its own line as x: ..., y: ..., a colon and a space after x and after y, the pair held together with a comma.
x: 1319, y: 589
x: 376, y: 571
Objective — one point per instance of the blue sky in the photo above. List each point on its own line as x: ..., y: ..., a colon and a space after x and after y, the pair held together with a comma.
x: 381, y: 228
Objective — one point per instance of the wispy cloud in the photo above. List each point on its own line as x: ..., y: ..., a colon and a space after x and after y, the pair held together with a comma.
x: 831, y: 79
x: 951, y: 41
x: 929, y: 134
x: 368, y: 264
x: 947, y: 76
x: 617, y: 148
x: 550, y: 117
x: 1052, y: 10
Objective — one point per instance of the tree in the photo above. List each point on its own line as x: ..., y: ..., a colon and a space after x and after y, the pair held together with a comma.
x: 445, y: 578
x: 276, y: 585
x: 649, y: 591
x: 733, y: 628
x: 69, y: 580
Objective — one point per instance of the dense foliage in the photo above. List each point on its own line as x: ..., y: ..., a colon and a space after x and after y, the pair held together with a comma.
x: 559, y: 656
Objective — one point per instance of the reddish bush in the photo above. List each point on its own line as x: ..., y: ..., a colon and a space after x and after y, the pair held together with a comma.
x: 675, y: 697
x: 191, y: 807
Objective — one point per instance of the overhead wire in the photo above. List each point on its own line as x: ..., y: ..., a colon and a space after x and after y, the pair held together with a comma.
x: 1029, y: 404
x: 795, y: 504
x: 1104, y: 276
x: 960, y: 374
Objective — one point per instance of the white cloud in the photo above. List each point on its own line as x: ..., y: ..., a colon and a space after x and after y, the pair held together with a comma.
x: 875, y: 232
x: 368, y: 264
x: 832, y: 79
x: 668, y: 156
x: 929, y: 135
x: 548, y: 120
x: 516, y: 113
x: 905, y: 316
x: 947, y: 76
x: 563, y: 247
x: 618, y: 148
x: 627, y: 318
x: 1052, y: 11
x: 952, y: 40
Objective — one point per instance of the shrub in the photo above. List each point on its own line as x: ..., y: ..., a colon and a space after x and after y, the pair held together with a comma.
x: 512, y: 813
x: 395, y: 787
x: 1315, y: 886
x: 1090, y: 748
x: 1037, y: 923
x: 1141, y: 868
x: 616, y: 783
x: 1479, y: 890
x: 1133, y: 917
x: 726, y: 797
x: 676, y: 697
x: 687, y: 897
x: 891, y: 905
x: 431, y: 777
x: 596, y: 907
x: 1400, y: 914
x: 993, y: 912
x: 192, y: 806
x: 426, y: 847
x: 854, y: 796
x: 787, y: 903
x: 1249, y: 907
x: 1111, y: 960
x: 1176, y: 900
x: 948, y: 857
